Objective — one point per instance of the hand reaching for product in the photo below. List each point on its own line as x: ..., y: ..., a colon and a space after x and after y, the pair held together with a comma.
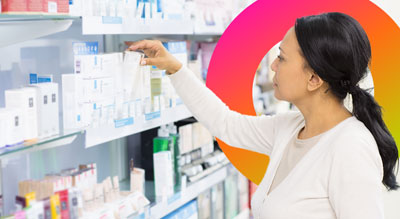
x: 157, y: 55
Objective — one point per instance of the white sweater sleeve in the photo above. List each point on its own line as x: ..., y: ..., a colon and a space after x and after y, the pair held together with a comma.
x: 355, y: 183
x: 254, y: 133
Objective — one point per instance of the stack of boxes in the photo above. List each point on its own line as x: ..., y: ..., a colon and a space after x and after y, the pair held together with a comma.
x: 113, y: 89
x: 30, y: 113
x: 195, y: 142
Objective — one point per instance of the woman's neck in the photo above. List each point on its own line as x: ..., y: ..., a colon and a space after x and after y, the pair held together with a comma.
x: 321, y: 114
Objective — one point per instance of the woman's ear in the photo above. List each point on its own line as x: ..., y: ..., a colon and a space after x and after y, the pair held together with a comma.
x: 314, y: 82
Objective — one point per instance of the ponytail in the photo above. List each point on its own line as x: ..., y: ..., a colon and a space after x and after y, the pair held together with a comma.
x: 367, y: 110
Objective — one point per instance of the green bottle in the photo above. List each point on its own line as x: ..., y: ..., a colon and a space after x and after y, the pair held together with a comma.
x: 173, y: 133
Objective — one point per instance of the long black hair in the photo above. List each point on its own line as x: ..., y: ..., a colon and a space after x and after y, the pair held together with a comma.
x: 337, y: 48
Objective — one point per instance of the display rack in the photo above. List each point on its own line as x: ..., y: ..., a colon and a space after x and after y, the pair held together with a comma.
x: 20, y: 28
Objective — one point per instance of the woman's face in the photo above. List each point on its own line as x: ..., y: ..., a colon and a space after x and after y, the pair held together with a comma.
x: 291, y: 77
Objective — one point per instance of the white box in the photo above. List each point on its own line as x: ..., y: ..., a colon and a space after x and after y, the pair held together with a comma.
x: 15, y: 124
x: 87, y: 65
x: 3, y: 128
x: 25, y: 99
x: 48, y: 110
x: 98, y: 66
x: 72, y: 90
x: 98, y: 89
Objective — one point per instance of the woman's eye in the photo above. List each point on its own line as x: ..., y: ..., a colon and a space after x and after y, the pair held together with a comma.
x: 280, y: 58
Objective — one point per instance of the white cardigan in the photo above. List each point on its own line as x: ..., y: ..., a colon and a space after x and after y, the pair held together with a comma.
x: 340, y: 177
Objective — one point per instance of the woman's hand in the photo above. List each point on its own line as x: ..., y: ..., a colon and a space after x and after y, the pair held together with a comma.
x: 157, y: 55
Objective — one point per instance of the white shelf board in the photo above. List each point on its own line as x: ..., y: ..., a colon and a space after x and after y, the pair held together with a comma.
x: 19, y: 31
x: 120, y: 25
x: 96, y: 136
x: 42, y: 144
x: 162, y: 209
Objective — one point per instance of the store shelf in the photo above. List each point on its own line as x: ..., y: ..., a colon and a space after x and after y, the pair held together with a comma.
x: 161, y: 209
x: 61, y: 139
x: 35, y: 17
x: 120, y: 25
x: 23, y: 30
x: 96, y: 136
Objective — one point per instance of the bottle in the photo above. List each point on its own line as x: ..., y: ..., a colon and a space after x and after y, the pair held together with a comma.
x: 173, y: 133
x: 162, y: 160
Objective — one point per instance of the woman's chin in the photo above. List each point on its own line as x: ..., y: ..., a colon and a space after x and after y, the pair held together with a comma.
x: 276, y: 95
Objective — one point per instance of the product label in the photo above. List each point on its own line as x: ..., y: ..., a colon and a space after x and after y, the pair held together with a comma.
x: 153, y: 115
x: 86, y: 48
x: 43, y: 79
x: 33, y: 78
x: 123, y: 122
x: 111, y: 20
x: 30, y: 102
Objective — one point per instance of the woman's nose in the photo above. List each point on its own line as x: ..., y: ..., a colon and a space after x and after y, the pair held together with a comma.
x: 274, y: 65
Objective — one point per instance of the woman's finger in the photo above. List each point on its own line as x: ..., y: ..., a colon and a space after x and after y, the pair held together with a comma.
x: 149, y: 61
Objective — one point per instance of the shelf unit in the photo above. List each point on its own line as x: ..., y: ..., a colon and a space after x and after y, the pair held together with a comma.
x: 96, y: 136
x: 20, y: 28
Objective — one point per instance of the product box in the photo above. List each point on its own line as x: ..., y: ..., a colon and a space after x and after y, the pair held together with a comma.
x: 72, y: 90
x: 75, y: 203
x: 98, y: 89
x: 35, y: 6
x: 14, y: 6
x: 37, y: 210
x: 26, y: 100
x: 55, y: 207
x: 64, y: 204
x: 131, y: 79
x: 97, y: 66
x: 15, y: 125
x: 163, y: 174
x: 50, y: 6
x: 137, y: 180
x: 48, y: 109
x: 186, y: 142
x: 4, y: 131
x: 204, y: 204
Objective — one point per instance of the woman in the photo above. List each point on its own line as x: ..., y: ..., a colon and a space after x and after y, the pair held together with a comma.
x: 325, y: 162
